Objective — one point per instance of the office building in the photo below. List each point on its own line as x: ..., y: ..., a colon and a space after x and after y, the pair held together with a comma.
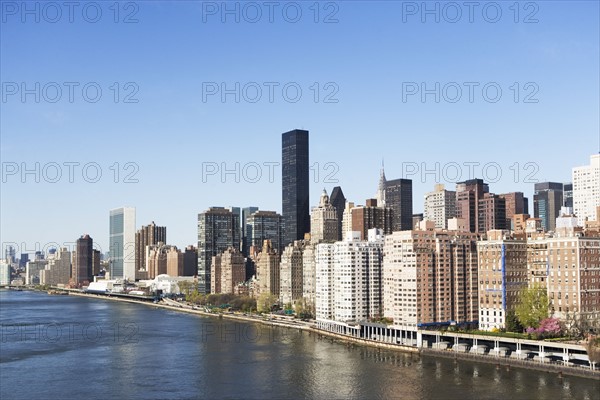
x: 265, y: 225
x: 246, y: 212
x: 190, y: 261
x: 398, y: 197
x: 122, y: 243
x: 568, y: 195
x: 58, y: 270
x: 295, y: 185
x: 218, y: 229
x: 547, y: 201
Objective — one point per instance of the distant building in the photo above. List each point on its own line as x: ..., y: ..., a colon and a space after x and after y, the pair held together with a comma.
x: 32, y: 271
x: 515, y: 203
x: 440, y: 206
x: 96, y: 262
x: 122, y: 243
x: 547, y: 201
x: 291, y: 272
x: 568, y: 195
x: 265, y: 225
x: 228, y: 270
x: 244, y: 233
x: 268, y: 270
x: 295, y: 185
x: 586, y: 190
x: 362, y: 218
x: 491, y: 213
x: 398, y: 197
x: 174, y: 262
x: 58, y: 270
x: 4, y: 273
x: 468, y: 195
x: 146, y: 236
x: 338, y: 200
x: 324, y: 223
x: 84, y: 258
x: 190, y: 261
x: 218, y: 229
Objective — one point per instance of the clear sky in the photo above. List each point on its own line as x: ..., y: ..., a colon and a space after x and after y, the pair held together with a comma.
x: 368, y: 72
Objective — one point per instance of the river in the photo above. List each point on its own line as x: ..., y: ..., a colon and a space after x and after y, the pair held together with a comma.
x: 67, y: 347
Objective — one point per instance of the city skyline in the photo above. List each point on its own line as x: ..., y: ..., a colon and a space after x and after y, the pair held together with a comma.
x: 164, y: 140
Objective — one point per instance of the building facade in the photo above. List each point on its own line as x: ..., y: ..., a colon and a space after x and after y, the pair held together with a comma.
x: 218, y: 229
x: 265, y: 225
x: 84, y: 259
x: 295, y: 185
x: 324, y: 223
x: 430, y: 278
x: 440, y: 206
x: 586, y: 190
x: 122, y: 243
x: 146, y: 236
x: 502, y: 275
x: 547, y: 201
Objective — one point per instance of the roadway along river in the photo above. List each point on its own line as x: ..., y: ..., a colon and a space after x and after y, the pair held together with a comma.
x: 67, y: 347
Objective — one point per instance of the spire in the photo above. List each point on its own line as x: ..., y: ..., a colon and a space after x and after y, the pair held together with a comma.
x: 380, y: 196
x: 324, y: 198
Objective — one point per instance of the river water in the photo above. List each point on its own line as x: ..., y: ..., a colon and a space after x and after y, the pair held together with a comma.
x: 67, y: 347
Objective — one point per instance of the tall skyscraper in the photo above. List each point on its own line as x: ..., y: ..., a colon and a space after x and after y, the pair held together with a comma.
x: 265, y: 225
x: 218, y: 229
x: 84, y: 259
x: 295, y: 185
x: 547, y: 201
x: 323, y: 221
x: 586, y: 190
x: 122, y: 243
x: 440, y: 206
x: 338, y: 200
x: 491, y: 213
x: 190, y: 261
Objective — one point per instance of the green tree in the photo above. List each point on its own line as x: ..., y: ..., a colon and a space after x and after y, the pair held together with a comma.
x: 512, y: 322
x: 533, y: 306
x: 265, y: 302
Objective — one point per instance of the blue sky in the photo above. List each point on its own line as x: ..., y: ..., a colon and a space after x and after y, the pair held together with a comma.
x: 366, y: 66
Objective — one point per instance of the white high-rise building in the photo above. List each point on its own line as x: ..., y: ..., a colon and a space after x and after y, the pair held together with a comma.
x: 586, y: 190
x: 352, y: 269
x: 4, y: 273
x: 122, y: 243
x: 440, y: 206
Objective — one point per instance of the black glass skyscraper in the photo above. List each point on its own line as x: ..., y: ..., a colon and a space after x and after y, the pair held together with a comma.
x: 398, y: 196
x: 295, y: 185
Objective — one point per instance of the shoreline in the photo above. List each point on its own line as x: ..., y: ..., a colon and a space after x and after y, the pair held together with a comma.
x: 506, y: 362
